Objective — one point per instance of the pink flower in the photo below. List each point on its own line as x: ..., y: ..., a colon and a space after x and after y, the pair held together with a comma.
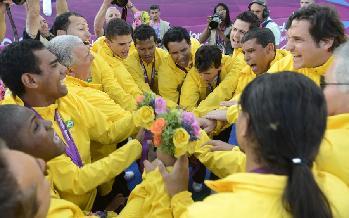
x: 2, y: 90
x: 188, y: 117
x: 160, y: 105
x: 196, y: 129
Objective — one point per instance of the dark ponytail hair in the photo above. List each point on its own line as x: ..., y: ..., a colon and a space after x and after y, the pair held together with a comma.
x: 287, y: 120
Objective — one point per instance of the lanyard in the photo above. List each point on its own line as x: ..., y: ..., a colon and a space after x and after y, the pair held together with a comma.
x: 179, y: 88
x: 71, y: 150
x: 153, y: 72
x: 182, y: 69
x: 218, y: 80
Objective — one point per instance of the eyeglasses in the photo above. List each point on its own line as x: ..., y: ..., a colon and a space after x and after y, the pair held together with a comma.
x: 324, y: 84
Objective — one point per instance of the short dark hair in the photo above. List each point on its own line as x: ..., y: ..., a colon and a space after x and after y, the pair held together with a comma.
x: 144, y: 32
x: 117, y: 27
x: 10, y: 124
x: 62, y: 21
x: 154, y: 7
x: 288, y: 139
x: 249, y: 17
x: 13, y: 201
x: 15, y: 60
x: 324, y: 23
x: 227, y: 21
x: 207, y: 56
x: 176, y: 34
x: 263, y: 36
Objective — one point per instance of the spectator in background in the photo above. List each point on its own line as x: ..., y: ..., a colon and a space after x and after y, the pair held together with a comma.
x: 103, y: 16
x: 36, y: 25
x: 2, y: 18
x: 260, y: 8
x: 305, y: 3
x: 217, y: 33
x: 160, y: 26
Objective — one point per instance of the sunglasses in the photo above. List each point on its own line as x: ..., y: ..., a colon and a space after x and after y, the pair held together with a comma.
x: 324, y: 84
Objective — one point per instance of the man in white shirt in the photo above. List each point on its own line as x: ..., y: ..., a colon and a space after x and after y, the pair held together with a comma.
x: 260, y: 9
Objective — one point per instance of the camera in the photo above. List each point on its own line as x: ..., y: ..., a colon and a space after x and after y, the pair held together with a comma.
x: 120, y: 3
x: 17, y: 2
x: 215, y: 21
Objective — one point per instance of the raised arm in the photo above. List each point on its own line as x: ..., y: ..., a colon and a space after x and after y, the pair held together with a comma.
x: 100, y: 18
x: 32, y: 23
x: 61, y: 7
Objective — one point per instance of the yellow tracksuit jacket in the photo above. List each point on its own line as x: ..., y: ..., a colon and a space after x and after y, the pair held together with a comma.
x: 170, y: 77
x: 286, y: 64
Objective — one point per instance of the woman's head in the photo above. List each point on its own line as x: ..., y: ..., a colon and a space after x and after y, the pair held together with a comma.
x: 283, y: 121
x: 223, y: 11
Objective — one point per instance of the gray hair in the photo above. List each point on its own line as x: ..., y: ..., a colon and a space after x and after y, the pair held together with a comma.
x: 341, y: 66
x: 62, y: 47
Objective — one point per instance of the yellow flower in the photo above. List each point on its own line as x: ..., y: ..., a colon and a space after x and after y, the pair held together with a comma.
x: 144, y: 117
x: 180, y: 140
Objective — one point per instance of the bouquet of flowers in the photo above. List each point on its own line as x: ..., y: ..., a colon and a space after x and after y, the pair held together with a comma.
x: 173, y: 131
x: 148, y: 106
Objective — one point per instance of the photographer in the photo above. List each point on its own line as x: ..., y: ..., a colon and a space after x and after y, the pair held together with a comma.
x: 218, y: 29
x: 36, y: 26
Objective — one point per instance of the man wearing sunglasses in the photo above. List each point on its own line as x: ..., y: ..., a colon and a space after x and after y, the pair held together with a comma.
x: 334, y: 150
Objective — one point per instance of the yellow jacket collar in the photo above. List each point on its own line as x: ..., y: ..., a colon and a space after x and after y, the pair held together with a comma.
x: 251, y: 181
x: 340, y: 121
x: 237, y: 52
x: 46, y: 112
x: 78, y: 82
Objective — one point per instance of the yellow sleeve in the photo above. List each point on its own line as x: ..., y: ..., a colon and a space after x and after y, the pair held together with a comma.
x: 180, y: 203
x: 168, y: 83
x: 333, y: 154
x: 148, y: 199
x: 100, y: 129
x: 70, y: 178
x: 222, y: 163
x: 190, y: 94
x: 103, y: 74
x: 126, y: 80
x: 61, y: 208
x: 224, y: 91
x: 232, y: 114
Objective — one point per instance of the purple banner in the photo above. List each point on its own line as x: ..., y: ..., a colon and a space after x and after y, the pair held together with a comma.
x: 190, y: 14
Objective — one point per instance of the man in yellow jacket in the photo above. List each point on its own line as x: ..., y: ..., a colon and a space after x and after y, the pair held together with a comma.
x: 71, y: 23
x: 243, y: 23
x: 314, y: 32
x: 177, y: 64
x: 114, y: 48
x: 334, y: 154
x: 211, y: 68
x: 38, y: 83
x: 260, y: 55
x: 144, y: 63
